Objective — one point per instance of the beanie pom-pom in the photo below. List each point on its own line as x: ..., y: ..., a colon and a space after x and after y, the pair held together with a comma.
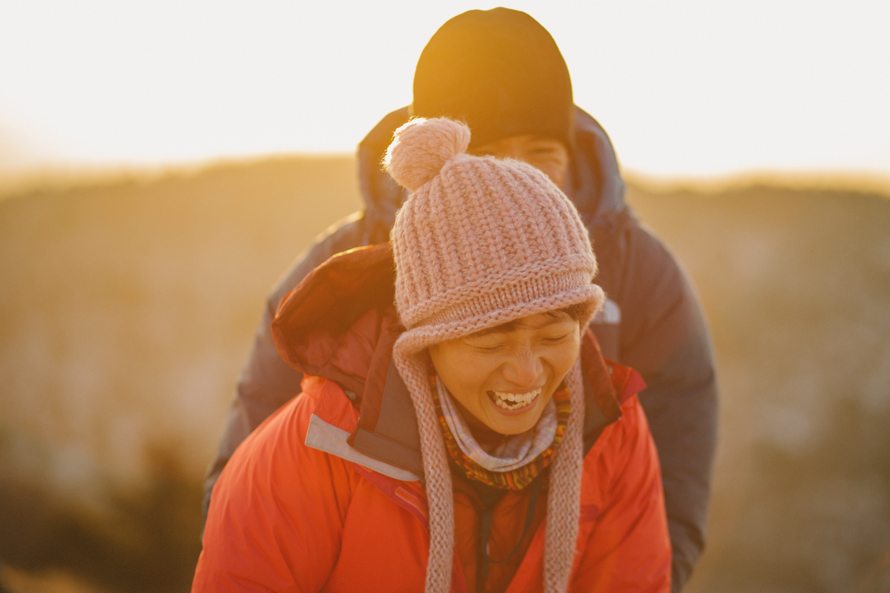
x: 421, y: 147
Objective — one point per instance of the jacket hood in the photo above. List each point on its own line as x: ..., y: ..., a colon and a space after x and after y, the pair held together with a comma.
x: 597, y: 188
x: 332, y: 323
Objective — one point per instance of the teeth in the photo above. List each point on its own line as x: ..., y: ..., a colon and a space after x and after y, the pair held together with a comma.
x: 511, y: 401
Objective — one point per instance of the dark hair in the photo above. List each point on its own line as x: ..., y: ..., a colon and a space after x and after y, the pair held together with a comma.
x: 576, y: 311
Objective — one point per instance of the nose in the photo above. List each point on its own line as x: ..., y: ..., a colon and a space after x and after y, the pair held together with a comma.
x: 524, y: 369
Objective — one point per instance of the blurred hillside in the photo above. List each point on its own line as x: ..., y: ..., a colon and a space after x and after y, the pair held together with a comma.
x: 128, y: 308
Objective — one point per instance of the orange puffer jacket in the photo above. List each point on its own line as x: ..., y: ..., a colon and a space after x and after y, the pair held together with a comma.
x: 327, y: 496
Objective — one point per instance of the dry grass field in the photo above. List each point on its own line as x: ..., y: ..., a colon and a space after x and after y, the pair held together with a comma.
x: 128, y: 305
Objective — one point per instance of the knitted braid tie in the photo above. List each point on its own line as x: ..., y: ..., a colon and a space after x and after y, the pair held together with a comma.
x: 564, y: 499
x: 436, y: 473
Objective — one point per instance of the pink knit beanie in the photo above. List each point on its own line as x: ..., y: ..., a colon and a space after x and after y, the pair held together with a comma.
x: 479, y: 242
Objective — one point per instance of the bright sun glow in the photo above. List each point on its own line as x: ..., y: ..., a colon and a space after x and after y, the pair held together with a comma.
x: 684, y: 88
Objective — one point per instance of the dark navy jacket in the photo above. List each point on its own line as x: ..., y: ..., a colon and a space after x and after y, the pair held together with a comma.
x: 652, y: 322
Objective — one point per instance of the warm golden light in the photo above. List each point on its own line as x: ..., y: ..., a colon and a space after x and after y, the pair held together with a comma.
x: 684, y: 88
x: 162, y: 163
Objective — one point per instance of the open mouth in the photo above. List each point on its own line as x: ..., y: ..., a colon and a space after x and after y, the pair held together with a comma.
x: 512, y: 402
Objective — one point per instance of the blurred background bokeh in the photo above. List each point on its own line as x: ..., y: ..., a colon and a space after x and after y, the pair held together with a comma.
x: 161, y: 164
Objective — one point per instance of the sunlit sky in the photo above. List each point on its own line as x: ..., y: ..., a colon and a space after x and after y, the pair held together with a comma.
x: 685, y: 87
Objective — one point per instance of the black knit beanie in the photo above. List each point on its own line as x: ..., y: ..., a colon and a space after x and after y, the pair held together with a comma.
x: 499, y: 71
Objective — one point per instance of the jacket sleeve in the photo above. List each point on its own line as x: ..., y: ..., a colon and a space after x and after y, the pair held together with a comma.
x: 628, y: 549
x: 278, y: 510
x: 266, y: 382
x: 664, y: 337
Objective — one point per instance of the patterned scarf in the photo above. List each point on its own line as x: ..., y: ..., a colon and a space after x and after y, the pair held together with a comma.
x: 514, y: 473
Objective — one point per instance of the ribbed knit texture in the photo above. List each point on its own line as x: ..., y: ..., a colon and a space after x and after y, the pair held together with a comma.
x: 482, y: 241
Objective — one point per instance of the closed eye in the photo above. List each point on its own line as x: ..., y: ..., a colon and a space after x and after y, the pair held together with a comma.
x: 488, y: 348
x: 557, y: 339
x: 482, y: 345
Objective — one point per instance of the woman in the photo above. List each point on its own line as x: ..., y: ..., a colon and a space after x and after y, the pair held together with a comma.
x: 458, y: 429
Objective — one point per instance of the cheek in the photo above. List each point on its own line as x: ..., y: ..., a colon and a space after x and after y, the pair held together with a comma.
x: 565, y: 358
x: 459, y: 370
x: 553, y: 167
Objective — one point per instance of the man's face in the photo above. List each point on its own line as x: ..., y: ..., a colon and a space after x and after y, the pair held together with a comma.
x: 546, y: 154
x: 505, y: 376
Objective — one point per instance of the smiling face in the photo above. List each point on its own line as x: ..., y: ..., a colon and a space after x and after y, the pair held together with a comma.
x: 545, y: 154
x: 506, y: 376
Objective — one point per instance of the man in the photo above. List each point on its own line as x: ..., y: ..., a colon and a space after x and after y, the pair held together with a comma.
x: 502, y: 73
